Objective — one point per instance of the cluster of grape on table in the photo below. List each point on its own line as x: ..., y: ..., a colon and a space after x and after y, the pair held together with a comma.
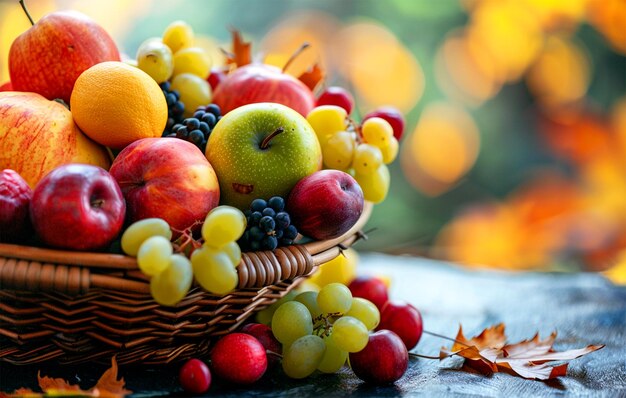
x: 363, y: 150
x: 181, y: 69
x: 319, y: 329
x: 269, y: 225
x: 198, y: 128
x: 213, y: 264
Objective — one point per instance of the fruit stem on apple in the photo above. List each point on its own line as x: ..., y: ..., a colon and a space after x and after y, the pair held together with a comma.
x: 266, y: 141
x: 27, y: 13
x: 296, y: 53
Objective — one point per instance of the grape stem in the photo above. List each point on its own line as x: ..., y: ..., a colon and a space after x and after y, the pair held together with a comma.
x: 445, y: 338
x: 266, y: 141
x: 414, y: 355
x: 27, y: 13
x: 270, y: 352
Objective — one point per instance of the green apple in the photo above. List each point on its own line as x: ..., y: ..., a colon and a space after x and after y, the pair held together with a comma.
x: 261, y: 150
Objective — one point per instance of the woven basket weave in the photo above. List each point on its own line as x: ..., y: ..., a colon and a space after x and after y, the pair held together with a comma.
x: 72, y: 307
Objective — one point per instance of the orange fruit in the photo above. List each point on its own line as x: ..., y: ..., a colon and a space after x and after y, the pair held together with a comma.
x: 115, y: 104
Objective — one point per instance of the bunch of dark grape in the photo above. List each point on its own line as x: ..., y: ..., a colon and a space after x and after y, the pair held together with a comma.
x: 175, y: 108
x: 269, y: 225
x: 196, y: 129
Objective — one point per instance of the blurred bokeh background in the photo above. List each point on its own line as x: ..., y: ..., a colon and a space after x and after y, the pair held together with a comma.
x: 514, y: 155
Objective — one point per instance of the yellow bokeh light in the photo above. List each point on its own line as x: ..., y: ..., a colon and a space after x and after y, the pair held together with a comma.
x: 558, y: 14
x: 381, y: 70
x: 561, y: 73
x: 508, y: 33
x: 443, y: 147
x: 463, y: 73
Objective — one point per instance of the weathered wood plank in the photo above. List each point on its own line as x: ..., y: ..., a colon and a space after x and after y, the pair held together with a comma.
x: 583, y: 308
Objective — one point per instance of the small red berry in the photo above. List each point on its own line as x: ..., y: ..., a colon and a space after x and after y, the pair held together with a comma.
x: 195, y: 377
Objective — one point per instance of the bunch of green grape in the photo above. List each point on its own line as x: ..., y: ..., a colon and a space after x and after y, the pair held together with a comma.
x: 215, y: 263
x: 174, y: 57
x: 364, y: 151
x: 319, y: 329
x: 171, y: 274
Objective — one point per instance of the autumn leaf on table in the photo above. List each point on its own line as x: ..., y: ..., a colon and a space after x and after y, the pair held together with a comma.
x: 488, y: 353
x: 108, y: 386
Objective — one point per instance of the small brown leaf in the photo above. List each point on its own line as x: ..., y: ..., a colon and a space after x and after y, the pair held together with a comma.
x: 242, y: 51
x: 108, y: 385
x: 50, y: 384
x: 312, y: 77
x: 488, y: 353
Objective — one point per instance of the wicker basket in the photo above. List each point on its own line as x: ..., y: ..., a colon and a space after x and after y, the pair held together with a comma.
x: 72, y: 307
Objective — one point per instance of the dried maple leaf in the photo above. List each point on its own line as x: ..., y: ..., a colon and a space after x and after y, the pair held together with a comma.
x: 107, y: 387
x: 242, y: 51
x: 312, y: 77
x: 488, y: 353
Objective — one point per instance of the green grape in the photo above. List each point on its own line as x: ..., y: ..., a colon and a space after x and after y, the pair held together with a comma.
x: 192, y: 60
x: 303, y: 357
x: 338, y: 151
x: 172, y: 285
x: 233, y: 251
x: 334, y: 298
x: 349, y: 334
x: 367, y: 159
x: 141, y: 230
x: 291, y: 321
x: 327, y: 120
x: 377, y: 131
x: 309, y: 299
x: 154, y: 255
x: 155, y: 58
x: 375, y: 186
x: 265, y: 315
x: 178, y: 35
x: 214, y: 270
x: 333, y: 358
x: 365, y: 311
x: 194, y: 91
x: 390, y: 152
x: 223, y: 224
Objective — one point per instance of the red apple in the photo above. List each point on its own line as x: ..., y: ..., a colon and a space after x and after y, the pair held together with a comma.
x: 370, y: 288
x: 383, y: 360
x: 254, y: 83
x: 38, y: 135
x: 238, y: 358
x: 338, y: 96
x: 15, y: 196
x: 264, y: 334
x: 325, y: 204
x: 6, y: 86
x: 77, y: 206
x: 404, y: 320
x: 393, y: 116
x: 195, y: 376
x: 167, y: 178
x: 48, y: 58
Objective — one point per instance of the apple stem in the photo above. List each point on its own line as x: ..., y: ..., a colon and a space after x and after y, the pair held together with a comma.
x: 414, y: 355
x: 27, y: 13
x: 445, y: 338
x: 266, y: 141
x: 295, y: 55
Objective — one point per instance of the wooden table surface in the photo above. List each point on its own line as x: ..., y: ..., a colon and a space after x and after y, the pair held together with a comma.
x: 583, y: 308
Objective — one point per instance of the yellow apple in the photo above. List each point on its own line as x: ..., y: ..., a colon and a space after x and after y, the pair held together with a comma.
x: 37, y: 135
